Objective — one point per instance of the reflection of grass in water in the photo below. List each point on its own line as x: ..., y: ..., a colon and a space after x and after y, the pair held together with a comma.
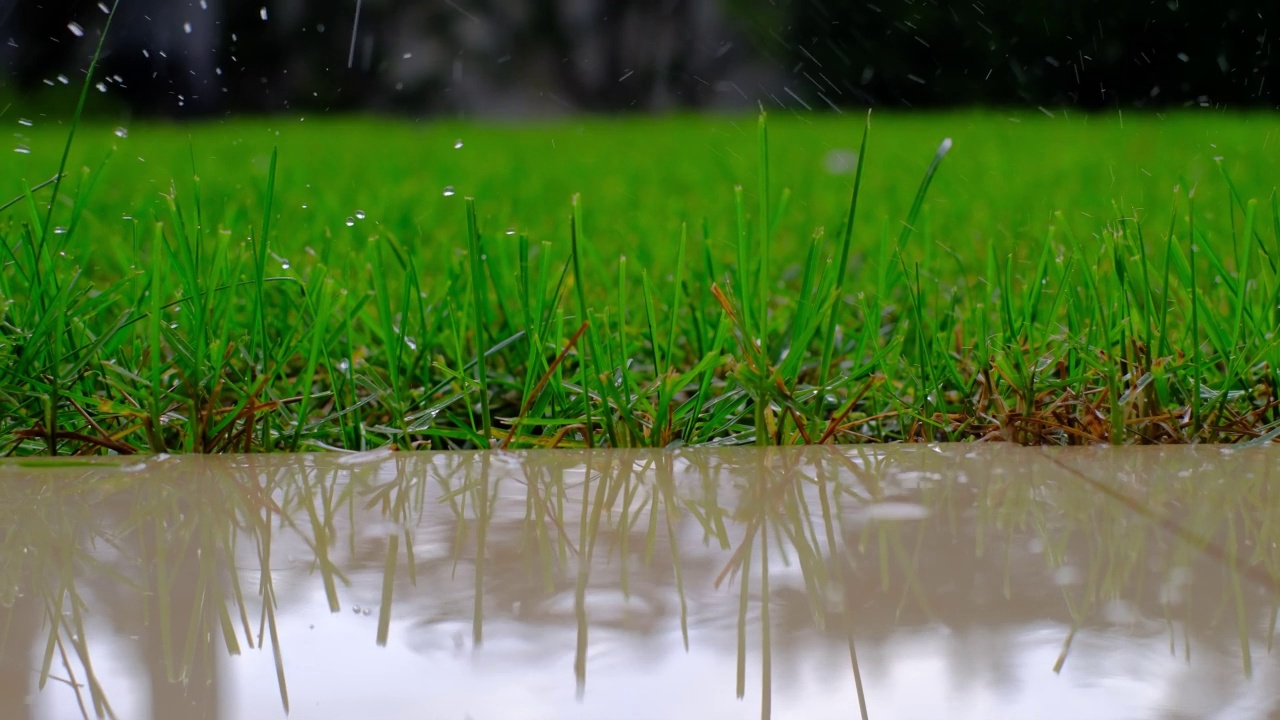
x: 183, y: 536
x: 779, y: 509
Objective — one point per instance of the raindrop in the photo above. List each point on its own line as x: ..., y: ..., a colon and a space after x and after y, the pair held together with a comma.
x: 511, y: 231
x: 263, y: 12
x: 840, y: 161
x: 102, y: 87
x: 64, y: 79
x: 359, y: 214
x: 75, y: 29
x: 355, y: 609
x: 186, y: 28
x: 59, y: 230
x: 366, y: 611
x: 26, y: 122
x: 103, y: 7
x: 457, y: 144
x: 204, y: 5
x: 449, y: 191
x: 22, y: 150
x: 1183, y: 57
x: 350, y: 221
x: 284, y: 264
x: 122, y: 132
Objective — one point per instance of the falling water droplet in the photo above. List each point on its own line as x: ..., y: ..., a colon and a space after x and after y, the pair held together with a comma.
x: 186, y: 28
x: 26, y: 122
x: 263, y: 12
x: 359, y: 214
x: 64, y: 79
x: 448, y: 191
x: 350, y: 221
x: 75, y: 29
x: 122, y: 132
x: 102, y: 87
x: 103, y: 7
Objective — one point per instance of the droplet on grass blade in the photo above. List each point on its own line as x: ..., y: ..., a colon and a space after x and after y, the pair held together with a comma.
x: 449, y: 191
x: 122, y: 132
x: 359, y: 214
x: 351, y: 221
x: 457, y: 144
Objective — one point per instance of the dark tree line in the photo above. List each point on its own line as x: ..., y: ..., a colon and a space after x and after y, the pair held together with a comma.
x: 1094, y: 53
x: 530, y: 56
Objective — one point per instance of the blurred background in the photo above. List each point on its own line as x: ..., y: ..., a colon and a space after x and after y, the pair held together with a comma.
x: 525, y: 58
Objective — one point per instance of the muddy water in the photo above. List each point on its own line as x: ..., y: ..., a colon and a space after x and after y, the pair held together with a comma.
x: 900, y: 582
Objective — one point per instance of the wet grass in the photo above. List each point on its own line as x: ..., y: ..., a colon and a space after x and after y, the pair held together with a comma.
x: 295, y: 283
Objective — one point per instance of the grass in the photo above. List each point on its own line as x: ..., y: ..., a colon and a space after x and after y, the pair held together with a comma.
x: 298, y: 283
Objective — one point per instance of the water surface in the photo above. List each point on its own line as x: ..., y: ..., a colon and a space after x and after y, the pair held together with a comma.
x: 969, y: 581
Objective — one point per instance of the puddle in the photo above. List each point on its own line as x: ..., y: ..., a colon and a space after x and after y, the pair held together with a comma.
x: 966, y: 581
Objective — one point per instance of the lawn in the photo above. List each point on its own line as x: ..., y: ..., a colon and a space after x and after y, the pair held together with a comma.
x: 294, y: 283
